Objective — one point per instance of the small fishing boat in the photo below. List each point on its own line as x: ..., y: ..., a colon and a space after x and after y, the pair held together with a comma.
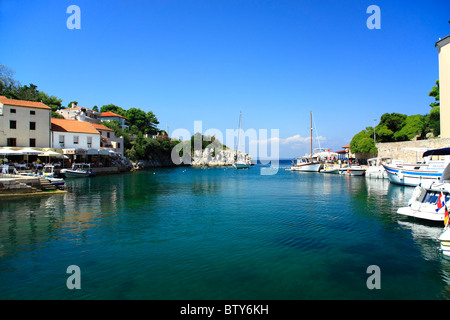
x: 352, y: 171
x: 330, y: 170
x: 78, y: 170
x: 376, y: 169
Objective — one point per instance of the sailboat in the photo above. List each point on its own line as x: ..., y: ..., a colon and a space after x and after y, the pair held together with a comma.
x: 309, y: 163
x: 239, y: 164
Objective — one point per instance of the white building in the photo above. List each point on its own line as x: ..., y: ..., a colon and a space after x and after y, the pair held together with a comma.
x: 80, y: 113
x: 75, y: 135
x: 109, y: 139
x: 111, y: 116
x: 24, y: 123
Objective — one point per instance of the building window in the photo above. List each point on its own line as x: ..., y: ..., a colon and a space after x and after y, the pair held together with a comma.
x: 32, y: 125
x: 61, y: 141
x: 12, y: 124
x: 107, y: 135
x: 12, y: 110
x: 32, y: 112
x: 11, y: 142
x: 32, y: 142
x: 75, y: 139
x: 118, y: 145
x: 89, y: 142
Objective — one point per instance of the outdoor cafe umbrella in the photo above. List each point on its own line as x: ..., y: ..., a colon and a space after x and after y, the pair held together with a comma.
x: 29, y: 151
x: 9, y: 152
x: 52, y: 154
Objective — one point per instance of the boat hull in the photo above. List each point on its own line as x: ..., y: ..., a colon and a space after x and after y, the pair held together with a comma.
x: 409, y: 177
x: 426, y: 215
x: 444, y: 240
x: 330, y: 171
x: 241, y: 165
x: 77, y: 173
x: 352, y: 172
x: 308, y: 167
x: 376, y: 173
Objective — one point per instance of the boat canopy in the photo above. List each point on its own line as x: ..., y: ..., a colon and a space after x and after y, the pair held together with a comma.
x: 437, y: 152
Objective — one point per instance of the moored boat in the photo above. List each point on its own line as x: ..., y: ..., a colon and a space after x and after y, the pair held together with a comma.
x: 352, y: 171
x: 376, y: 169
x: 79, y: 170
x: 413, y: 174
x: 428, y: 198
x: 444, y: 241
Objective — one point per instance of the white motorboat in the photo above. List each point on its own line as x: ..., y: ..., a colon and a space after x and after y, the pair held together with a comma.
x: 376, y: 169
x: 413, y: 174
x: 425, y: 204
x: 330, y: 170
x: 241, y: 165
x: 52, y: 176
x: 78, y: 170
x: 352, y: 171
x: 444, y: 241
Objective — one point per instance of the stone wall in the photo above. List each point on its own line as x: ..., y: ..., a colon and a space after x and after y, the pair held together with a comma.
x: 410, y: 151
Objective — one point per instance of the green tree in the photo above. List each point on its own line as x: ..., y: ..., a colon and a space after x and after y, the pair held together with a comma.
x: 433, y: 122
x: 363, y: 142
x: 414, y: 126
x: 435, y: 93
x: 113, y: 108
x: 75, y: 103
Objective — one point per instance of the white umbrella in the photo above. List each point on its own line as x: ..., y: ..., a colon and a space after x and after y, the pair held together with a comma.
x: 29, y: 151
x: 10, y: 152
x: 52, y: 154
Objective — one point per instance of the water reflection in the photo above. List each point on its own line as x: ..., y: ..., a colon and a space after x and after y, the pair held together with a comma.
x: 90, y: 203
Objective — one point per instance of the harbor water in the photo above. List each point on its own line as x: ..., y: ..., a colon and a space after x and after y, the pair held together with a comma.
x: 220, y: 233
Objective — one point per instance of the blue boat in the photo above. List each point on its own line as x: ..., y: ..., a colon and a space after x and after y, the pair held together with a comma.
x: 409, y: 174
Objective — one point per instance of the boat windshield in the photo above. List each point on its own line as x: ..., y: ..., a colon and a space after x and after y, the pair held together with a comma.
x: 48, y: 170
x: 433, y: 196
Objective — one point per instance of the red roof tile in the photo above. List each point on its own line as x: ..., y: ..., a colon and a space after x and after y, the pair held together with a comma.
x: 65, y: 125
x: 23, y: 103
x: 111, y: 114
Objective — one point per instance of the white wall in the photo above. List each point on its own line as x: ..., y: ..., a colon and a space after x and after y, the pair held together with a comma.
x: 69, y: 140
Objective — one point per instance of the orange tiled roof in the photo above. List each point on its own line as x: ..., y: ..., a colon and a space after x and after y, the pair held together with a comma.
x: 23, y: 103
x: 347, y: 146
x: 111, y: 114
x: 101, y: 127
x: 65, y: 125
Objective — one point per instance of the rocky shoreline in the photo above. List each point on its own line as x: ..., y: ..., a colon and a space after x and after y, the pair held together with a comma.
x: 207, y: 157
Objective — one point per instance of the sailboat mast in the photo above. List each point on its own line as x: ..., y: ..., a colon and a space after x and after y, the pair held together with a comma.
x: 239, y: 133
x: 311, y: 134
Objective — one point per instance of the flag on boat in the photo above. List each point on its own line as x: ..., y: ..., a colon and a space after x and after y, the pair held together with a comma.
x: 441, y: 202
x: 446, y: 217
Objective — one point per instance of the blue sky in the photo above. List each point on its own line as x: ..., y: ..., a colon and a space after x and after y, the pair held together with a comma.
x: 191, y: 60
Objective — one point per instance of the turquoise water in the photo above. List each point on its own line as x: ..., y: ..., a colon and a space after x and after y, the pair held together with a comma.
x: 191, y: 233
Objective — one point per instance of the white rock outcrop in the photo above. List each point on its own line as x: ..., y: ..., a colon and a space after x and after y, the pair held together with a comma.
x: 220, y: 158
